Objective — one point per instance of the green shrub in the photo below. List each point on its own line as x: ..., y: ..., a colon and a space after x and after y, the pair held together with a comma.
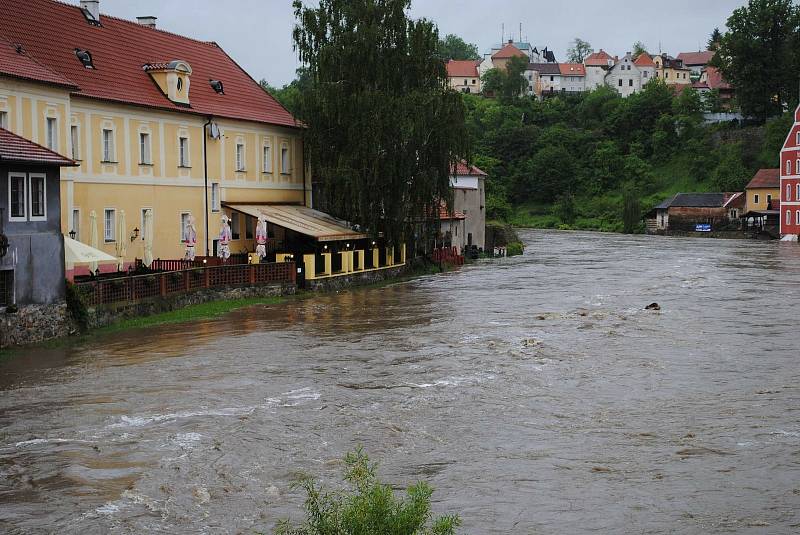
x: 514, y: 249
x: 371, y: 507
x: 77, y: 306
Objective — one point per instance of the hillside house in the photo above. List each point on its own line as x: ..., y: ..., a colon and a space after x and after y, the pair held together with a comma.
x: 692, y: 212
x: 463, y: 76
x: 597, y: 65
x: 469, y: 200
x: 696, y: 61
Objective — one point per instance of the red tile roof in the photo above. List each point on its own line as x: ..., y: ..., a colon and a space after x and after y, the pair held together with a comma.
x: 598, y: 59
x: 462, y: 169
x: 445, y: 214
x: 509, y: 51
x: 644, y: 60
x: 463, y: 68
x: 696, y: 58
x: 50, y: 31
x: 572, y: 69
x: 14, y: 61
x: 17, y: 149
x: 715, y: 80
x: 765, y: 178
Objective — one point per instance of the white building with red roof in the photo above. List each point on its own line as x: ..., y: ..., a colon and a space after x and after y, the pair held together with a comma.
x: 156, y: 121
x: 469, y: 198
x: 463, y: 75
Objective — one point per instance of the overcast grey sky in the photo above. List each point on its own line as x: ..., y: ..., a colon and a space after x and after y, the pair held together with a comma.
x: 257, y: 33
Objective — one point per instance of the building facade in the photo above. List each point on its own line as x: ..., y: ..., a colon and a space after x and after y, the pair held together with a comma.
x: 573, y: 77
x: 469, y: 200
x: 762, y: 190
x: 156, y: 122
x: 625, y: 76
x: 672, y: 70
x: 790, y: 180
x: 463, y: 76
x: 597, y: 65
x: 31, y: 244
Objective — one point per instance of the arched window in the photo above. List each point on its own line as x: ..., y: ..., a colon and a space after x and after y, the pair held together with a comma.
x: 788, y: 217
x: 788, y: 192
x: 788, y: 167
x: 797, y: 217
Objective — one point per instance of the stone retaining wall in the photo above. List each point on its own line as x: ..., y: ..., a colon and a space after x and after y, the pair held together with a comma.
x: 332, y: 284
x: 102, y: 315
x: 35, y: 323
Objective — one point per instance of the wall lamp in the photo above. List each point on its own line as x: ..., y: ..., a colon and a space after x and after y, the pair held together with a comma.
x: 134, y: 234
x: 72, y: 234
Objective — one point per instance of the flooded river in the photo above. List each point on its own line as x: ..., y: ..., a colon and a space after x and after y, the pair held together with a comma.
x: 535, y: 393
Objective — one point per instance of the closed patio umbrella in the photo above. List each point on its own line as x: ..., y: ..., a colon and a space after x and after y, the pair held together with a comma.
x: 122, y: 240
x: 93, y: 241
x: 148, y: 238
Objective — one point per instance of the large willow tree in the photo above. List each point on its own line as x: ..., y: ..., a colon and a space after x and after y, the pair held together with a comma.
x: 383, y: 130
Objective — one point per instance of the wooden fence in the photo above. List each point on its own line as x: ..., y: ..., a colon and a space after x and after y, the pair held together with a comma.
x: 132, y: 288
x: 447, y: 255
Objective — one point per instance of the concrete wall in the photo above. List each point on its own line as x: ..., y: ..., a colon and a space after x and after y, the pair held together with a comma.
x: 36, y: 248
x: 472, y: 202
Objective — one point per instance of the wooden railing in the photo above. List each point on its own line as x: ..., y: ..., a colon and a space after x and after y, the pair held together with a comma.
x: 447, y: 255
x: 162, y: 284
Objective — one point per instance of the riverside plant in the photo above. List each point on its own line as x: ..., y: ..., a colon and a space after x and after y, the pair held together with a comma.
x: 369, y: 508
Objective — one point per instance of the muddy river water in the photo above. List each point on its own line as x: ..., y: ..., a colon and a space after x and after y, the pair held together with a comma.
x: 535, y: 393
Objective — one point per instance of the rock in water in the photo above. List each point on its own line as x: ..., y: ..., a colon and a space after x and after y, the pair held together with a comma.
x: 653, y: 306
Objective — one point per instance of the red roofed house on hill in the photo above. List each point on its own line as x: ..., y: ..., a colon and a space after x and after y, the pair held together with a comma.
x: 469, y: 198
x: 696, y: 61
x: 597, y: 66
x: 156, y: 121
x: 463, y: 76
x: 790, y: 180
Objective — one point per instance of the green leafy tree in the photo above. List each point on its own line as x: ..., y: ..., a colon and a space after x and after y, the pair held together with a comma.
x: 578, y: 50
x: 731, y: 173
x: 552, y: 171
x: 606, y: 164
x: 638, y: 49
x: 454, y: 47
x: 289, y: 94
x: 370, y: 508
x: 508, y: 83
x: 712, y: 103
x: 631, y: 210
x: 714, y: 40
x: 760, y: 56
x: 383, y: 131
x: 564, y: 208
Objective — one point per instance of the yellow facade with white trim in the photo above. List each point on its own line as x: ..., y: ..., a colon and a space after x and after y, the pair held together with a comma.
x: 162, y: 184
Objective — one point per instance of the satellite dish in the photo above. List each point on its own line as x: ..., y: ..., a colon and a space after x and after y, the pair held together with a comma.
x: 213, y: 130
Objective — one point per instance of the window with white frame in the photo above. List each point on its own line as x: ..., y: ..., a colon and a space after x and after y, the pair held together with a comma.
x: 285, y: 162
x: 788, y: 167
x: 797, y: 217
x: 797, y: 167
x: 108, y: 145
x: 144, y: 148
x: 215, y: 196
x: 788, y: 192
x: 76, y: 223
x: 109, y: 221
x: 183, y: 152
x: 4, y: 119
x: 142, y: 226
x: 18, y: 198
x: 267, y: 158
x: 38, y: 196
x: 797, y: 193
x: 240, y: 156
x: 797, y: 139
x: 184, y: 225
x: 52, y: 133
x: 74, y: 140
x: 788, y: 217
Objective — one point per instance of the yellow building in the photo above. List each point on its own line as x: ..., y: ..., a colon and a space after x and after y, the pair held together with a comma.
x: 156, y: 122
x: 672, y: 70
x: 763, y: 191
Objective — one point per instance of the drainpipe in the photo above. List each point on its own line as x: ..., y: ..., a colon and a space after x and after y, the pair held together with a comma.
x: 205, y: 178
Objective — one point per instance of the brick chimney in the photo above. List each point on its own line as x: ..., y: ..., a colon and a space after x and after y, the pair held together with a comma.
x: 148, y: 20
x: 92, y: 7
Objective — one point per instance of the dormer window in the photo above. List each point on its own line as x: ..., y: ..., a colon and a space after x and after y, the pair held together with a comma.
x: 172, y: 79
x: 85, y: 57
x: 216, y: 85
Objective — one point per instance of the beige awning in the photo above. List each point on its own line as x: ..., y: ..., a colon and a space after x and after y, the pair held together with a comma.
x: 300, y: 219
x: 76, y: 252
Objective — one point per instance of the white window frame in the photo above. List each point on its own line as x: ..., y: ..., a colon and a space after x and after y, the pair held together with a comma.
x: 183, y: 224
x: 788, y: 192
x: 76, y: 211
x: 240, y: 157
x: 797, y: 192
x: 145, y: 149
x: 141, y: 221
x: 43, y: 216
x: 797, y: 217
x: 215, y: 197
x: 183, y: 151
x: 266, y: 152
x: 51, y: 133
x: 797, y: 139
x: 24, y: 217
x: 109, y: 224
x: 755, y: 198
x: 75, y: 141
x: 788, y: 217
x: 788, y: 167
x: 108, y: 149
x: 797, y: 167
x: 286, y: 165
x: 4, y: 119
